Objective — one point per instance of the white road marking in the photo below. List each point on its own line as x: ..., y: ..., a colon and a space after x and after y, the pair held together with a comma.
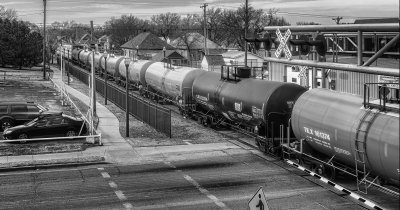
x: 113, y: 185
x: 128, y: 206
x: 117, y: 192
x: 105, y: 175
x: 200, y: 188
x: 120, y: 195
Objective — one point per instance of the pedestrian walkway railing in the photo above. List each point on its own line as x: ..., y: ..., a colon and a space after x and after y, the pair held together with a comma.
x: 95, y: 139
x: 66, y: 100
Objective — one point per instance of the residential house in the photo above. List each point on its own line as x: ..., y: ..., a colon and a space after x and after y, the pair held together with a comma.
x: 146, y: 45
x: 212, y: 63
x: 170, y: 56
x: 191, y: 45
x: 237, y: 58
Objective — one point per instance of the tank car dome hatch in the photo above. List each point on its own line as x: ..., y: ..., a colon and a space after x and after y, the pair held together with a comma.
x: 336, y: 124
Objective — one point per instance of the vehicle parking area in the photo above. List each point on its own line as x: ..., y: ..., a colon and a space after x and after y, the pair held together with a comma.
x: 27, y: 85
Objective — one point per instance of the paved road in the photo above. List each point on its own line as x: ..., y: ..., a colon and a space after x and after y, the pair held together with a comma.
x: 218, y: 182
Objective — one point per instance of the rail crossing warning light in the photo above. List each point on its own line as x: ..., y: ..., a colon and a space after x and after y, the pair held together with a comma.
x: 305, y: 43
x: 302, y: 43
x: 266, y: 40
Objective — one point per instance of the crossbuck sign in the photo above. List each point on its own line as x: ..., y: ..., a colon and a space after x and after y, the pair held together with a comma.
x: 303, y: 71
x: 282, y: 44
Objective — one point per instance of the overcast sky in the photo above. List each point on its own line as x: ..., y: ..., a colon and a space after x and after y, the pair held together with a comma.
x: 82, y: 11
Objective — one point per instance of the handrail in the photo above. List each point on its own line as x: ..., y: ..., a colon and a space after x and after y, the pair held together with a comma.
x: 54, y: 138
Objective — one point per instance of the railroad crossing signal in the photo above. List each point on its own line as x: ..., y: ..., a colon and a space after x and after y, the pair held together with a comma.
x: 106, y: 46
x: 258, y: 201
x: 282, y: 44
x: 303, y: 71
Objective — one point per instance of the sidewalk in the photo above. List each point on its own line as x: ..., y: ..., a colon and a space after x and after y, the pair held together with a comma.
x: 115, y: 149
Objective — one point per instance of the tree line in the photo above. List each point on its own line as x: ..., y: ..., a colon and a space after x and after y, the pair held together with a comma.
x: 20, y: 41
x: 224, y: 26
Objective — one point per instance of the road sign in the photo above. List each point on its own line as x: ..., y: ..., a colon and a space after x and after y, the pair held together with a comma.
x: 258, y: 201
x: 283, y: 44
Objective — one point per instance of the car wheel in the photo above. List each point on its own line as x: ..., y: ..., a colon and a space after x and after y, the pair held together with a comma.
x: 23, y: 136
x: 71, y: 133
x: 6, y: 123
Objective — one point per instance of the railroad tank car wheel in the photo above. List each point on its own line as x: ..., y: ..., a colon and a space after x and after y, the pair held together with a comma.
x: 325, y: 171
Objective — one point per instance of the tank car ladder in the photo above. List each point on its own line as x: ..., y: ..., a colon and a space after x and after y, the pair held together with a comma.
x: 360, y: 146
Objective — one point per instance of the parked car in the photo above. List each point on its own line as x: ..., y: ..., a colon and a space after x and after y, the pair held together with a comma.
x: 17, y: 113
x: 46, y: 125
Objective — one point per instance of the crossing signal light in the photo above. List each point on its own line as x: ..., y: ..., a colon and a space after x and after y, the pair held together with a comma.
x: 302, y: 43
x: 305, y: 43
x: 320, y: 44
x: 266, y: 40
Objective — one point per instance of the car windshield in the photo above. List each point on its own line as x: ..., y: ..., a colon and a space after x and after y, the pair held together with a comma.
x: 30, y: 123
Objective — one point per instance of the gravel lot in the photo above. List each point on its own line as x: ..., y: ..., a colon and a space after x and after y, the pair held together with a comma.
x: 184, y: 131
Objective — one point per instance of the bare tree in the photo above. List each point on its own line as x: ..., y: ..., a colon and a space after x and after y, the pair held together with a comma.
x: 10, y: 14
x: 166, y: 23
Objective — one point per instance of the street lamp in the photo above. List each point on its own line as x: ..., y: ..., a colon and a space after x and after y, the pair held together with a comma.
x: 127, y: 61
x: 163, y: 49
x: 137, y: 52
x: 68, y: 66
x: 105, y: 77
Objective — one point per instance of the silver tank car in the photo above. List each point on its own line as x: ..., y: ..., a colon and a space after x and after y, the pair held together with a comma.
x: 97, y: 57
x: 84, y: 57
x: 137, y: 71
x: 332, y: 123
x: 172, y: 82
x: 249, y: 101
x: 113, y: 63
x: 75, y: 53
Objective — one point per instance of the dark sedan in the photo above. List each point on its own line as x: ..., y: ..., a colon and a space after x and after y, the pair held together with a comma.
x: 48, y: 124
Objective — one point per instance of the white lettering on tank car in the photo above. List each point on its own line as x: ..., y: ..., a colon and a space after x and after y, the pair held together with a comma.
x: 257, y: 113
x: 238, y: 106
x: 317, y: 133
x: 202, y: 98
x: 244, y: 117
x: 341, y: 151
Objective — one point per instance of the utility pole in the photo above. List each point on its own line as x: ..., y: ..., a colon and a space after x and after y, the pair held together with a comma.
x: 337, y: 19
x: 205, y: 27
x: 246, y: 23
x: 44, y: 39
x: 91, y: 30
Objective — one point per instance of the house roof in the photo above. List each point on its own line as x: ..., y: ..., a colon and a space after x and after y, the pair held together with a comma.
x: 215, y: 60
x: 147, y: 41
x: 376, y: 20
x: 236, y: 54
x: 195, y: 41
x: 170, y: 54
x: 86, y: 38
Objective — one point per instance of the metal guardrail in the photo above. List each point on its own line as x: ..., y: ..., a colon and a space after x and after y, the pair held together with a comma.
x: 94, y: 137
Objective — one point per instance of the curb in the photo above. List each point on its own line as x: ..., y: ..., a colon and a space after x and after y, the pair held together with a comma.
x: 40, y: 164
